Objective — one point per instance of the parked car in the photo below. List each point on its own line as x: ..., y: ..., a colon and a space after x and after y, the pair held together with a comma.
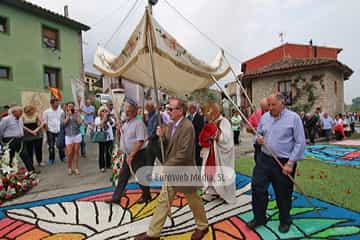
x: 102, y: 98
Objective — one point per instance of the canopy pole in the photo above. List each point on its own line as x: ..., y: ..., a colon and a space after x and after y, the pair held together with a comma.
x: 265, y: 144
x: 240, y: 84
x: 150, y: 46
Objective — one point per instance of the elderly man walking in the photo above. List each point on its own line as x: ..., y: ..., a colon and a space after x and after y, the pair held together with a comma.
x: 282, y: 131
x: 179, y: 139
x: 132, y: 142
x: 12, y: 133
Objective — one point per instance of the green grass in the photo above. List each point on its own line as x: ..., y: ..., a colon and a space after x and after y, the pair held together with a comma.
x: 335, y: 184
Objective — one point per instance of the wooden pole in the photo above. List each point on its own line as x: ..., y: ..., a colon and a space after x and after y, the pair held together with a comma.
x: 150, y: 46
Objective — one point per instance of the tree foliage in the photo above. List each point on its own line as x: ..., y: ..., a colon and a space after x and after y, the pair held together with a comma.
x: 355, y: 104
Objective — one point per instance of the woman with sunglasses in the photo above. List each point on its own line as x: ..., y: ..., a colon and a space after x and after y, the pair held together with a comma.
x: 104, y: 122
x: 72, y: 121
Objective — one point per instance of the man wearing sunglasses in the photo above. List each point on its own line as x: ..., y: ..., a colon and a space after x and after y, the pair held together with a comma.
x: 178, y: 138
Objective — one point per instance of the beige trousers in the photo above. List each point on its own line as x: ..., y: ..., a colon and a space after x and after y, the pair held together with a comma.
x: 162, y: 209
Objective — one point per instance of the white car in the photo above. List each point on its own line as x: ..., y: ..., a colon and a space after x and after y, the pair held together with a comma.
x: 102, y: 97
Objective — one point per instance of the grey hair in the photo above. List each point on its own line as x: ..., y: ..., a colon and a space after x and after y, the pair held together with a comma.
x: 133, y: 107
x: 194, y: 104
x: 181, y: 104
x: 279, y: 96
x: 15, y: 108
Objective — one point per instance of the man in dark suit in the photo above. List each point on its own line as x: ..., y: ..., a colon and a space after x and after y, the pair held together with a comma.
x: 178, y: 138
x: 198, y: 122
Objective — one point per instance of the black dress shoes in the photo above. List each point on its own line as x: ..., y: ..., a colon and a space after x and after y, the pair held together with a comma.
x: 254, y: 224
x: 284, y: 227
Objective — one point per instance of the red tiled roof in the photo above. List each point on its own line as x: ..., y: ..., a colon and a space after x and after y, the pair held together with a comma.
x: 35, y: 9
x: 295, y: 64
x: 338, y: 50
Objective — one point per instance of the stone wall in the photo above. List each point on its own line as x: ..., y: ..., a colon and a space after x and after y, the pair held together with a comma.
x: 322, y: 81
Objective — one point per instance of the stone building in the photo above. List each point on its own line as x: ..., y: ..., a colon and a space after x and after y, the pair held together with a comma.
x: 92, y: 81
x: 309, y: 76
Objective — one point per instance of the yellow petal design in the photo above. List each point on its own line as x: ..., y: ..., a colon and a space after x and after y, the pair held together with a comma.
x: 65, y: 236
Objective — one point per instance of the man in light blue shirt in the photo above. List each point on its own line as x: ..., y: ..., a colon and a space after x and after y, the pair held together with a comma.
x: 327, y: 124
x: 283, y: 132
x: 88, y: 112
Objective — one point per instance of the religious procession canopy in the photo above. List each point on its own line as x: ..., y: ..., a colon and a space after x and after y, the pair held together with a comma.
x: 177, y: 71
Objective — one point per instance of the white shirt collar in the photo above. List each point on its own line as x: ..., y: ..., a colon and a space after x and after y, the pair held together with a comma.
x: 178, y: 122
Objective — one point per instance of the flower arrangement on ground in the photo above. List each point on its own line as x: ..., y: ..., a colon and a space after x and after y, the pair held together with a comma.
x: 14, y: 182
x: 117, y: 159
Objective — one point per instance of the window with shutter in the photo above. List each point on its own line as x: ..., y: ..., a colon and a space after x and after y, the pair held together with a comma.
x: 284, y: 87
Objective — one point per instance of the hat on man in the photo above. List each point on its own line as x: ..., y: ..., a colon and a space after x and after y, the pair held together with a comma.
x: 131, y: 102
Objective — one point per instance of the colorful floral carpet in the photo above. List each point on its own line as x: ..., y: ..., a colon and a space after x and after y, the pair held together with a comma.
x: 347, y: 142
x: 345, y: 156
x: 86, y: 216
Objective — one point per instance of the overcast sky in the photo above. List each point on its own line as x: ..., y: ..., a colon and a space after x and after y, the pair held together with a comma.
x: 245, y: 28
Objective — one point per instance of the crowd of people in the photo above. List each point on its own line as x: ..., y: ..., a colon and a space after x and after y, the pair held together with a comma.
x: 320, y: 124
x: 188, y: 135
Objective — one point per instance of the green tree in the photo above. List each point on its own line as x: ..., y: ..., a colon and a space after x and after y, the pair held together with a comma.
x: 355, y: 104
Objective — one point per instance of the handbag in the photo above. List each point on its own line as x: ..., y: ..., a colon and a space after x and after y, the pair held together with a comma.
x: 98, y: 136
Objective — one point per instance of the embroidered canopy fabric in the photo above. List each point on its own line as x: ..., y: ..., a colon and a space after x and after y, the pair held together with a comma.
x: 177, y: 71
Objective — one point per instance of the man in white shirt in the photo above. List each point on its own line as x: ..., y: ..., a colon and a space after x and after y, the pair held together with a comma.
x: 52, y: 119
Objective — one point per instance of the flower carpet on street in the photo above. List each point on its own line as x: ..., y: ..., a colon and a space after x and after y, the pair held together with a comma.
x: 355, y: 142
x: 85, y: 215
x: 345, y: 156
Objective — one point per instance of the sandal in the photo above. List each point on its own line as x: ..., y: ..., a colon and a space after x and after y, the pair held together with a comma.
x: 77, y: 172
x: 70, y: 171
